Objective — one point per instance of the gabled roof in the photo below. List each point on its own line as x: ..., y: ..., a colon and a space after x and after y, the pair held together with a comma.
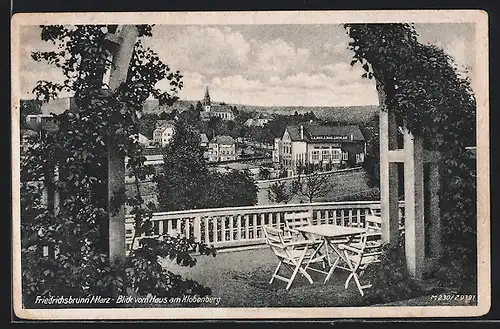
x: 314, y: 132
x: 223, y: 139
x: 204, y: 138
x: 220, y: 109
x: 163, y: 128
x: 164, y: 123
x: 262, y: 116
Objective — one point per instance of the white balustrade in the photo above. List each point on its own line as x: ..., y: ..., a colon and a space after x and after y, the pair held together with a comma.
x: 239, y: 226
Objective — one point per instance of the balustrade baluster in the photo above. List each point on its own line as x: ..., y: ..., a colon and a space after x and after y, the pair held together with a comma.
x: 247, y: 229
x: 169, y: 227
x: 161, y: 227
x: 254, y: 227
x: 262, y: 223
x: 342, y: 217
x: 214, y: 229
x: 178, y: 226
x: 187, y: 228
x: 207, y: 230
x: 223, y: 228
x: 238, y: 227
x: 197, y: 229
x: 231, y: 228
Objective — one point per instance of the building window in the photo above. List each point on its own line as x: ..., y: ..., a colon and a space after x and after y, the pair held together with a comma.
x: 345, y: 156
x: 315, y: 155
x: 336, y: 154
x: 326, y: 155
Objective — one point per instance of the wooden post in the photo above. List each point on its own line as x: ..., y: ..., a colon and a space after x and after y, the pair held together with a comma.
x: 388, y: 178
x: 434, y: 211
x: 122, y: 55
x: 414, y: 204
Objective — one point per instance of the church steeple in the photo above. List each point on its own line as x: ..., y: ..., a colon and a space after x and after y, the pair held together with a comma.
x: 206, y: 99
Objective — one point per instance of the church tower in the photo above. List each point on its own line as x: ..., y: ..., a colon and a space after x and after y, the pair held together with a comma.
x: 206, y: 101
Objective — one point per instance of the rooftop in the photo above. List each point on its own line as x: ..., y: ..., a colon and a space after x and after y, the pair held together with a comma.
x: 220, y: 109
x: 223, y: 139
x: 164, y: 123
x: 324, y: 132
x: 203, y: 138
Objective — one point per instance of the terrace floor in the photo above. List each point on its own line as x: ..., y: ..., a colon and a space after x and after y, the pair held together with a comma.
x: 241, y: 279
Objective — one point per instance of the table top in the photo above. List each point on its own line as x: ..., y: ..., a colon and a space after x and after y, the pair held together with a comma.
x: 330, y: 231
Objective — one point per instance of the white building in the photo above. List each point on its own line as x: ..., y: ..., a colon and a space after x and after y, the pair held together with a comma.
x: 320, y: 145
x: 258, y: 121
x: 163, y: 134
x: 222, y: 148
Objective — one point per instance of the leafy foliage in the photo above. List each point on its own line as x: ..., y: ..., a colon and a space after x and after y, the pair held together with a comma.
x: 230, y: 189
x: 423, y: 87
x: 389, y: 278
x: 76, y: 231
x: 264, y: 173
x: 181, y: 185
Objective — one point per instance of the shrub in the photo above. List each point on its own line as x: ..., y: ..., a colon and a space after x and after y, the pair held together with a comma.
x: 390, y: 278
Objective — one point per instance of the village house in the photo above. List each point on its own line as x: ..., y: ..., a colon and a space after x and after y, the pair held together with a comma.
x: 320, y: 145
x: 258, y: 121
x: 222, y: 148
x: 163, y: 132
x: 203, y: 140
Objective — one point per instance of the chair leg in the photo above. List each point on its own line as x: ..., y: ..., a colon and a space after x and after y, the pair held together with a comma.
x: 332, y: 269
x: 304, y: 273
x: 348, y: 280
x: 356, y: 279
x: 275, y: 272
x: 294, y: 274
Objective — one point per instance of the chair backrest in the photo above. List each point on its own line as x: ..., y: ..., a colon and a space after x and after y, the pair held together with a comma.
x: 297, y: 219
x: 373, y: 223
x: 274, y: 238
x: 375, y: 212
x: 358, y: 242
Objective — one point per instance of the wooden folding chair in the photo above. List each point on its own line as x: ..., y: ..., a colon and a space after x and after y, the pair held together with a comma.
x: 359, y: 255
x: 294, y: 220
x: 298, y: 256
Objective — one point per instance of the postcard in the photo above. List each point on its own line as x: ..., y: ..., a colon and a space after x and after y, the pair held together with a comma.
x: 250, y: 165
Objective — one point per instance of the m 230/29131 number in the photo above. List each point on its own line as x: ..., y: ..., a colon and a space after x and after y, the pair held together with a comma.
x: 453, y: 297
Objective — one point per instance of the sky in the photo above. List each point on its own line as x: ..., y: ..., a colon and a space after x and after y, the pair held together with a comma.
x: 269, y: 65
